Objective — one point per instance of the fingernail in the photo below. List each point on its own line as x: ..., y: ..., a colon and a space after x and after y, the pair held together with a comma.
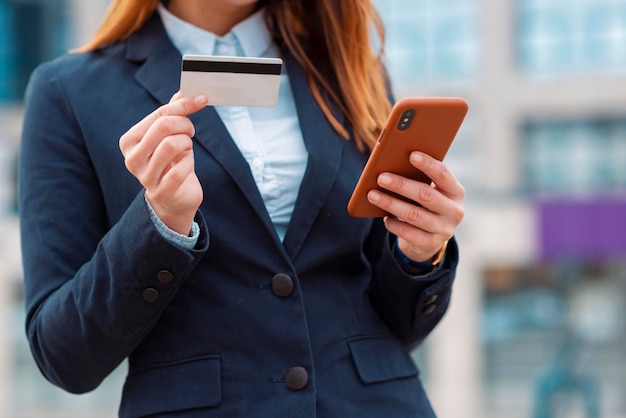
x: 384, y: 179
x: 373, y: 196
x: 200, y: 99
x: 416, y: 157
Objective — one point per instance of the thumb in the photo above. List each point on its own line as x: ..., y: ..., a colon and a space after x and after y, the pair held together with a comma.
x: 175, y: 97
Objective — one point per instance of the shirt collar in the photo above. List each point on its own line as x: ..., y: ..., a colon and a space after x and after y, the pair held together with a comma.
x: 252, y: 34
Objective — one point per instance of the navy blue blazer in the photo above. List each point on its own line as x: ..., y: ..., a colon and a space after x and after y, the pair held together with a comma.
x: 244, y: 325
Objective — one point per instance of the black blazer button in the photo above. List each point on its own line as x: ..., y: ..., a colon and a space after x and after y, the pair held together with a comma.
x: 429, y: 309
x: 432, y: 300
x: 282, y: 285
x: 165, y: 276
x: 151, y: 295
x: 296, y: 378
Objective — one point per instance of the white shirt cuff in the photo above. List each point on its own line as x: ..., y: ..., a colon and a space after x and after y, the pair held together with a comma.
x: 187, y: 242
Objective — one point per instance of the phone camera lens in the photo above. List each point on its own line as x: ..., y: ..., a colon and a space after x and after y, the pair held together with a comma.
x: 406, y: 119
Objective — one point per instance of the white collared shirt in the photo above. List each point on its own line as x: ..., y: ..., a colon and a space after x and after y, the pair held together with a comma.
x: 270, y: 139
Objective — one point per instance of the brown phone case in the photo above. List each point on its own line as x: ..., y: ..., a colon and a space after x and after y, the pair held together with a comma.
x: 426, y: 124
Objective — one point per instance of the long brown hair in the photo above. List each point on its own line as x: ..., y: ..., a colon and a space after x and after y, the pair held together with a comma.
x: 331, y: 39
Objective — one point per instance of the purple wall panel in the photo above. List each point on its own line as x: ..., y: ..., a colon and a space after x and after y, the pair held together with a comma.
x: 583, y: 229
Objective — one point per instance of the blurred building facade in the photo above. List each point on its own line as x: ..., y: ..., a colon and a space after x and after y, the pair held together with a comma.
x: 537, y: 327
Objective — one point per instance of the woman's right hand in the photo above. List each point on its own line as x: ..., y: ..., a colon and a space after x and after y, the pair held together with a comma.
x: 158, y: 151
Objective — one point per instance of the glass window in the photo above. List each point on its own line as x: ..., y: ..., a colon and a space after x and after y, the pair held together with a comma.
x: 575, y: 157
x: 553, y: 336
x: 571, y: 36
x: 428, y: 40
x: 33, y: 32
x: 7, y: 50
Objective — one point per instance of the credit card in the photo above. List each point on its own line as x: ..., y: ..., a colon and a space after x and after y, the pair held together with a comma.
x: 231, y: 81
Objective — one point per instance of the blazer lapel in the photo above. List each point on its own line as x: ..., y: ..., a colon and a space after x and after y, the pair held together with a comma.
x: 324, y: 146
x: 159, y: 74
x: 159, y: 70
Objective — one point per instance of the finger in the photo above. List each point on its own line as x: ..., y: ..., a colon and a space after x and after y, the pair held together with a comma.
x: 415, y: 191
x: 170, y: 188
x: 177, y: 173
x: 406, y: 212
x: 178, y: 107
x: 169, y: 153
x: 439, y: 173
x: 162, y: 128
x: 424, y: 206
x: 176, y: 96
x: 138, y: 155
x: 419, y: 244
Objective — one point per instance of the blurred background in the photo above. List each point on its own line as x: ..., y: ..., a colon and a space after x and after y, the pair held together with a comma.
x: 537, y: 327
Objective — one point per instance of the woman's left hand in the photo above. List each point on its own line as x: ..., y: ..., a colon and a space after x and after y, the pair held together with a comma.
x: 435, y: 211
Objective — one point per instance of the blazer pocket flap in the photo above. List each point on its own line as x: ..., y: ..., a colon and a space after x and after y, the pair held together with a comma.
x: 175, y: 386
x: 378, y: 359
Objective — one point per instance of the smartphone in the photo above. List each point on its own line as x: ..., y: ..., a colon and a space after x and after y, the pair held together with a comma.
x: 231, y: 81
x: 426, y: 124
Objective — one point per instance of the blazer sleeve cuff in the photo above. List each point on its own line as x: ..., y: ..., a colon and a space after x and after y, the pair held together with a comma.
x: 412, y: 305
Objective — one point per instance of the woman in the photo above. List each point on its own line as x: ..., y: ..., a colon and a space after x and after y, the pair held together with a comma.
x: 215, y: 251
